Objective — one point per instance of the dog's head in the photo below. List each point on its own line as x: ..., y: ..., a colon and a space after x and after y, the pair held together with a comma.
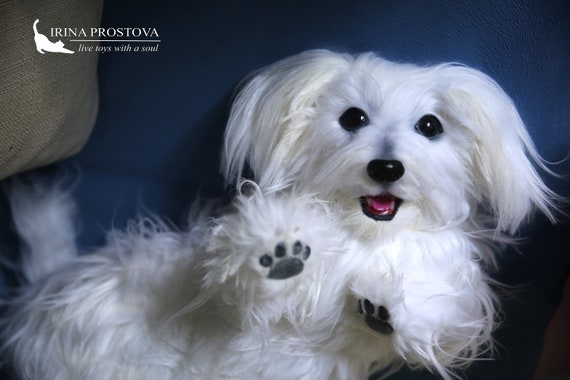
x: 431, y: 152
x: 392, y: 144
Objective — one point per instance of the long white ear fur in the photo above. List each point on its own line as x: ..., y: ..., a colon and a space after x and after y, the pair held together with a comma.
x: 279, y: 97
x: 504, y: 158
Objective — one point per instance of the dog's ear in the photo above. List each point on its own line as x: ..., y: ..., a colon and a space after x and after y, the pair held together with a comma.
x: 271, y: 114
x: 503, y: 158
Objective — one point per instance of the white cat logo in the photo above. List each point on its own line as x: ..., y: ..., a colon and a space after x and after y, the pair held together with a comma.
x: 43, y: 44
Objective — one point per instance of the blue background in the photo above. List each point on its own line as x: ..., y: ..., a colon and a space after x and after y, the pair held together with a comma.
x: 157, y: 139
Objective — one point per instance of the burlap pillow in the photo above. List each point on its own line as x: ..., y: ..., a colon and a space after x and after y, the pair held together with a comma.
x: 48, y: 102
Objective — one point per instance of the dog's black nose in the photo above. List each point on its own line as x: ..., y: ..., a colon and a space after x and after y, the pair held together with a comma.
x: 385, y: 170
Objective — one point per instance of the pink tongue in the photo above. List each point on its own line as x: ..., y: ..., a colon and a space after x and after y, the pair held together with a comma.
x: 382, y: 203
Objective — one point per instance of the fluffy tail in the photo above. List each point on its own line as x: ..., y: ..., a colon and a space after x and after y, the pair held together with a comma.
x: 43, y: 217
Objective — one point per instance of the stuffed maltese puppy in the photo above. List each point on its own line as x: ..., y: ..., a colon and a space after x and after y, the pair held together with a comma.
x: 370, y: 200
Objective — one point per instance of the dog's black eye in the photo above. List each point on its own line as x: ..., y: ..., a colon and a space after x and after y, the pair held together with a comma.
x: 353, y: 119
x: 429, y: 126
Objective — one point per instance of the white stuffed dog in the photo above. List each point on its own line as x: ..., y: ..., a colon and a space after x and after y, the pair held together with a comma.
x: 379, y: 194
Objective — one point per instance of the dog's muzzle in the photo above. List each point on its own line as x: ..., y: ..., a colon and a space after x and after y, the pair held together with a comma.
x: 382, y: 206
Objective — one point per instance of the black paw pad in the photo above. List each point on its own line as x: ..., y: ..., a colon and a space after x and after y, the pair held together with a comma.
x: 283, y: 265
x: 377, y: 318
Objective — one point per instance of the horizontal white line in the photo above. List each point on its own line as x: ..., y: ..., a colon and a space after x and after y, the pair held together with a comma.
x: 114, y: 40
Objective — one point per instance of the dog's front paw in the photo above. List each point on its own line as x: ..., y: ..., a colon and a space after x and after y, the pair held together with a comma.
x: 270, y: 238
x: 376, y: 317
x: 283, y: 262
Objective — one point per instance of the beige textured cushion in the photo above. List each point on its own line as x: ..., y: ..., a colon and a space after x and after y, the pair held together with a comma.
x: 48, y: 102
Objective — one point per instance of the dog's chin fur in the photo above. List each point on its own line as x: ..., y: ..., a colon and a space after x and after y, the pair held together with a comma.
x: 294, y: 279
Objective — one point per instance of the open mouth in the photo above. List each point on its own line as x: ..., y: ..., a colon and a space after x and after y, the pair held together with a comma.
x: 380, y: 207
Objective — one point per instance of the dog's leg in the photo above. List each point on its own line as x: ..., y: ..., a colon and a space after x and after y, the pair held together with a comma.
x: 268, y: 237
x: 269, y: 251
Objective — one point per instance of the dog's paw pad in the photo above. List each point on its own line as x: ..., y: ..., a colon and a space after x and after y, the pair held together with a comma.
x: 283, y: 265
x: 376, y: 317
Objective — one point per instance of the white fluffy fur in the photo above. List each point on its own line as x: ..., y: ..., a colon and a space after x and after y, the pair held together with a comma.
x: 156, y: 303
